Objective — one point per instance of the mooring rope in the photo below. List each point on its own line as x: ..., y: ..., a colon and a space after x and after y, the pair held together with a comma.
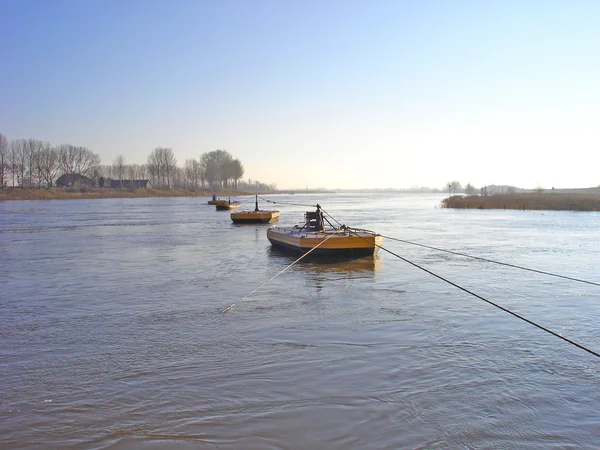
x: 492, y: 261
x: 486, y: 300
x: 280, y: 272
x: 332, y: 218
x: 287, y: 203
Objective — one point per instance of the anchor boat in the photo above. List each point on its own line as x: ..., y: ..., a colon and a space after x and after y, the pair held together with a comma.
x: 256, y: 216
x: 326, y: 240
x: 224, y: 205
x: 215, y: 200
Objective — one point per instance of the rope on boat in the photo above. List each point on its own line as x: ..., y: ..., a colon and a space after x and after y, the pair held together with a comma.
x: 518, y: 316
x: 279, y: 273
x: 332, y: 218
x: 495, y: 262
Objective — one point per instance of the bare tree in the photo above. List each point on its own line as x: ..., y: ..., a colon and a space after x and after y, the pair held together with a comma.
x: 178, y: 177
x: 154, y: 167
x: 454, y: 187
x: 215, y: 165
x: 77, y: 160
x: 119, y: 168
x: 4, y: 158
x: 470, y: 189
x: 202, y: 175
x: 19, y: 160
x: 161, y: 165
x: 48, y: 166
x: 237, y: 171
x: 191, y: 169
x: 170, y: 164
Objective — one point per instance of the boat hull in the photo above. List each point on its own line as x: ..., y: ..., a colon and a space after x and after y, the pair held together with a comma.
x: 254, y: 216
x: 338, y: 245
x: 226, y: 206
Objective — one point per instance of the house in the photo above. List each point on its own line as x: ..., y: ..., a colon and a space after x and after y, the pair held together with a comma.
x: 73, y: 179
x: 140, y: 184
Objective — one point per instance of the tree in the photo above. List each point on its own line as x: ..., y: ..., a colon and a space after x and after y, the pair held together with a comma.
x: 215, y: 165
x: 192, y: 171
x: 48, y: 166
x: 119, y: 168
x: 161, y: 165
x: 4, y: 157
x: 470, y: 189
x: 237, y: 171
x: 19, y: 160
x: 455, y: 187
x: 77, y: 160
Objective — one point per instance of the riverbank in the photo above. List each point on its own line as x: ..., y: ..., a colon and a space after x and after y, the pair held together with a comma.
x: 529, y: 201
x: 91, y: 193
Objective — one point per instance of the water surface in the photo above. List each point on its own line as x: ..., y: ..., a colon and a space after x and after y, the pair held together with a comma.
x: 112, y: 335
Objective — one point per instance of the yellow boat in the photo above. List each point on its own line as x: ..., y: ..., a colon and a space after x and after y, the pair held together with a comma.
x: 329, y: 241
x: 256, y: 216
x: 224, y: 205
x: 215, y: 200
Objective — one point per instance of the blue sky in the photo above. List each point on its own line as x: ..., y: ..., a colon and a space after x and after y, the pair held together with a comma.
x: 336, y: 94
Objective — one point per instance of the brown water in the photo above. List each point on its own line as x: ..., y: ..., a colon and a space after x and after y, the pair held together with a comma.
x: 112, y: 335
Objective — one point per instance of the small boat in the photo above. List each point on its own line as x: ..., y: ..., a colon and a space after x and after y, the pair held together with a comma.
x: 256, y: 216
x: 215, y: 200
x: 225, y: 205
x: 329, y: 240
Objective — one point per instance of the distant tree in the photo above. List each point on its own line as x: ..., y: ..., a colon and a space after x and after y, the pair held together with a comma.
x: 119, y: 168
x: 4, y: 158
x: 202, y: 175
x: 539, y: 188
x: 216, y: 167
x: 454, y: 187
x: 237, y: 171
x: 48, y: 166
x: 77, y: 160
x: 161, y: 165
x: 470, y: 189
x: 18, y: 163
x: 192, y: 171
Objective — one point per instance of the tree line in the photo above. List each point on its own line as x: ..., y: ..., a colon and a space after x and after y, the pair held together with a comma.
x: 35, y: 163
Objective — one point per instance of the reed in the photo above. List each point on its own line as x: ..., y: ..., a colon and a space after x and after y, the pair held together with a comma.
x: 526, y: 201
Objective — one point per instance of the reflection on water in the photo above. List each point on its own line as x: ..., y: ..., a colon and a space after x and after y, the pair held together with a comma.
x: 366, y: 266
x: 327, y: 264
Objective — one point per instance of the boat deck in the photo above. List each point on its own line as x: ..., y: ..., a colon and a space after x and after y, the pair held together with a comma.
x: 328, y: 242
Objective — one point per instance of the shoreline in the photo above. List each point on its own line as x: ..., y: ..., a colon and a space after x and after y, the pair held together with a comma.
x: 73, y: 193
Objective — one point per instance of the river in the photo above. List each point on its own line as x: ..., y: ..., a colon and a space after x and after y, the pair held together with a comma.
x: 112, y: 334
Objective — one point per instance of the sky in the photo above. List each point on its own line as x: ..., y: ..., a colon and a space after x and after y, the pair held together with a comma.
x: 316, y: 94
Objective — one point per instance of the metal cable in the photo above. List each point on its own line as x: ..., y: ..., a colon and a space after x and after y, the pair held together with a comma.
x: 492, y: 261
x: 488, y: 301
x: 287, y: 203
x: 280, y: 272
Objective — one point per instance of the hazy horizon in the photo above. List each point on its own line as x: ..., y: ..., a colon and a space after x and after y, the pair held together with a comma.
x: 338, y: 94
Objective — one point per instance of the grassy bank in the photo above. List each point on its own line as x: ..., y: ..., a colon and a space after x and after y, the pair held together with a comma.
x: 529, y: 201
x: 90, y: 193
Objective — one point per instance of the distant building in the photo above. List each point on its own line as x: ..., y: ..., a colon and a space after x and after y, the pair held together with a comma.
x: 73, y: 179
x: 139, y: 184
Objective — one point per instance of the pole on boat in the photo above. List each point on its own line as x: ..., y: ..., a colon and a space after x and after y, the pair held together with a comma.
x: 256, y: 204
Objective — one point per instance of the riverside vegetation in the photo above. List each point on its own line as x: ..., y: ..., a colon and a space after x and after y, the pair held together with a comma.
x: 527, y: 201
x: 84, y: 192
